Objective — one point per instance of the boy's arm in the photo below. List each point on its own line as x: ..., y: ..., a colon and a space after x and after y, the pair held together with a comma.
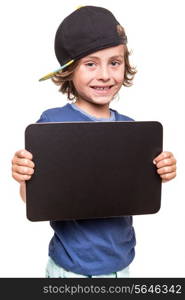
x: 23, y: 190
x: 22, y: 169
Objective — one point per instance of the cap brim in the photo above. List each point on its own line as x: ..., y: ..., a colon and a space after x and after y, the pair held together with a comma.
x: 50, y: 75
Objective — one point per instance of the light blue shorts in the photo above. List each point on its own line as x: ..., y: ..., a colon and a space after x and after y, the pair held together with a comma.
x: 55, y: 271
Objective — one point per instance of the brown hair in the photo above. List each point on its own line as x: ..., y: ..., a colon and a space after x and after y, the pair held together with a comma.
x: 64, y: 78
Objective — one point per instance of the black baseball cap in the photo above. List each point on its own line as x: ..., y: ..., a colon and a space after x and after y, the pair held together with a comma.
x: 86, y: 30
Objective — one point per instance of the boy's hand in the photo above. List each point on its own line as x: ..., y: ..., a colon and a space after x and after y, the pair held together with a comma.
x: 22, y: 165
x: 166, y: 166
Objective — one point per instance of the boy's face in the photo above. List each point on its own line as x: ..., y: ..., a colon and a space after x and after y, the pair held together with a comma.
x: 99, y: 76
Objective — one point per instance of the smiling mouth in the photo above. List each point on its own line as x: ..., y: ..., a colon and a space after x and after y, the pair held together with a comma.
x: 102, y: 88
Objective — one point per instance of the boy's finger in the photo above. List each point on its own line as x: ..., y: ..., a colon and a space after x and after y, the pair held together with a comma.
x: 23, y: 162
x: 161, y: 156
x: 22, y: 170
x: 166, y: 170
x: 168, y: 176
x: 24, y: 154
x: 166, y: 162
x: 20, y: 178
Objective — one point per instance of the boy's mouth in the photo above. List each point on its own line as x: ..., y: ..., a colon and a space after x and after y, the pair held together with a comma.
x: 102, y: 88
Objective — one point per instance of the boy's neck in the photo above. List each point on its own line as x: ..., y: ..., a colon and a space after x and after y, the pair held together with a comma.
x: 98, y: 111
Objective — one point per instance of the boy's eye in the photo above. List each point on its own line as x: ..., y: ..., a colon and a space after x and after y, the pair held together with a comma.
x: 115, y: 63
x: 90, y: 64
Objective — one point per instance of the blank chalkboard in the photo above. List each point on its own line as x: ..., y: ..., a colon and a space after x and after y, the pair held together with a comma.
x: 93, y: 169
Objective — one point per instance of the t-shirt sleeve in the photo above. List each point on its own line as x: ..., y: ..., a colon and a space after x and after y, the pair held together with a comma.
x: 43, y: 118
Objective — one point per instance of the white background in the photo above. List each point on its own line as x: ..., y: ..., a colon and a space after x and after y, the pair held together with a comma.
x: 155, y: 32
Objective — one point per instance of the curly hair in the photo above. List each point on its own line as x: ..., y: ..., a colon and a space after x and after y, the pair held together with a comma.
x: 64, y: 78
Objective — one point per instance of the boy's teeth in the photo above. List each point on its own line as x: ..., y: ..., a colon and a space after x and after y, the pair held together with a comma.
x: 101, y: 88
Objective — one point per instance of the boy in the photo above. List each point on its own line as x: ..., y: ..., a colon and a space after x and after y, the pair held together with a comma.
x: 90, y: 46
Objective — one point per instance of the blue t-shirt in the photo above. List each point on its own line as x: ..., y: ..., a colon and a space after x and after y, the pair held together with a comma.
x: 93, y: 246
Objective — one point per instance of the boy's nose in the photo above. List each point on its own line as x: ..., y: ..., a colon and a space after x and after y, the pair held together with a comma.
x: 103, y: 74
